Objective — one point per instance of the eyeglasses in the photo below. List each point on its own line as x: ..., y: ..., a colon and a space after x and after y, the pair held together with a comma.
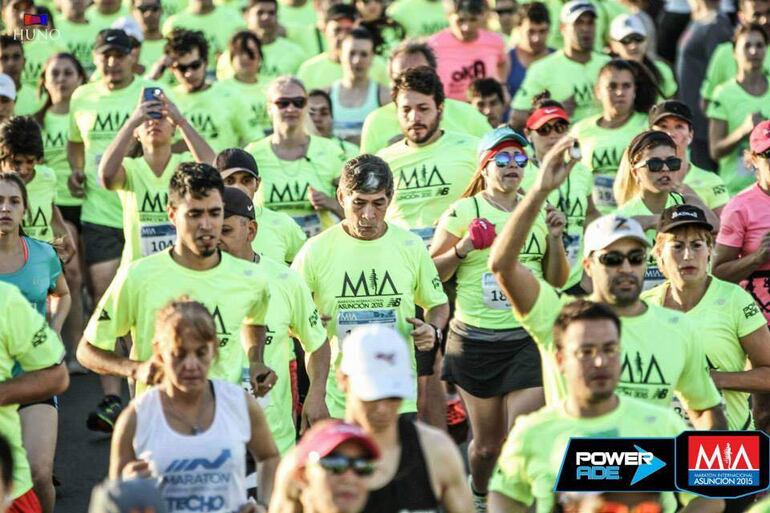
x: 633, y: 38
x: 610, y: 350
x: 337, y: 464
x: 504, y: 159
x: 655, y: 165
x: 144, y: 9
x: 299, y: 102
x: 503, y: 12
x: 616, y: 258
x: 643, y: 507
x: 559, y: 127
x: 765, y: 154
x: 184, y: 68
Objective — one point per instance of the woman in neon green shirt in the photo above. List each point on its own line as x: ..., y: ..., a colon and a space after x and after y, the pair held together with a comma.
x: 649, y: 181
x: 492, y: 360
x: 732, y: 328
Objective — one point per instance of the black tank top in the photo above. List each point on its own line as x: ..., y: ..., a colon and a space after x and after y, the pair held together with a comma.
x: 410, y: 490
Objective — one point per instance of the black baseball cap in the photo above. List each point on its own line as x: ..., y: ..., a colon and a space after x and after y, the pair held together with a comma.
x: 232, y: 160
x: 113, y: 39
x: 237, y: 203
x: 470, y: 6
x: 669, y: 108
x: 682, y: 215
x: 341, y: 12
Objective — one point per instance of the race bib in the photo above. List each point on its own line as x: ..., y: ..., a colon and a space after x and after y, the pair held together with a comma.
x: 349, y: 320
x: 572, y: 248
x: 263, y: 402
x: 493, y: 296
x: 604, y: 199
x: 310, y: 224
x: 426, y: 234
x: 156, y: 237
x: 652, y: 277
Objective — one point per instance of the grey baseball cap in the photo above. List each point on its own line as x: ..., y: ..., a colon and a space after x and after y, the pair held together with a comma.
x: 126, y: 496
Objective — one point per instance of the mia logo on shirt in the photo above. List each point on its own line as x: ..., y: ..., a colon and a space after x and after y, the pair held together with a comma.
x: 719, y: 464
x: 108, y: 122
x: 222, y: 334
x: 413, y: 185
x: 203, y: 124
x: 292, y: 193
x: 369, y: 289
x: 605, y: 161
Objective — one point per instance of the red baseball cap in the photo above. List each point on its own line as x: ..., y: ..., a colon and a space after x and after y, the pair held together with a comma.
x: 545, y: 114
x: 324, y: 437
x: 760, y: 137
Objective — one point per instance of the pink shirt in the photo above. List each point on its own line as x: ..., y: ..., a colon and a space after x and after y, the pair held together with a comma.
x: 459, y: 63
x: 745, y: 220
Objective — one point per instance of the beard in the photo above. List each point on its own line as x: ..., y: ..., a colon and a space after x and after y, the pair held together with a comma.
x: 429, y: 132
x: 625, y: 297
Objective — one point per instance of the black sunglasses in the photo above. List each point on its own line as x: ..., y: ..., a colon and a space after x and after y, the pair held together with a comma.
x: 148, y: 8
x: 616, y: 258
x: 655, y: 165
x: 193, y: 66
x: 337, y: 464
x: 560, y: 127
x: 633, y: 38
x: 508, y: 11
x: 299, y: 102
x: 765, y: 154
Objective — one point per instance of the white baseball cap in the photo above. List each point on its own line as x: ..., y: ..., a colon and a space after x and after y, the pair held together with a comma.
x: 7, y: 87
x: 611, y: 228
x: 378, y: 362
x: 625, y: 25
x: 130, y: 26
x: 571, y: 11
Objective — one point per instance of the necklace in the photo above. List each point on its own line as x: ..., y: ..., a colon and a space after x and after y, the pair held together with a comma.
x: 195, y: 427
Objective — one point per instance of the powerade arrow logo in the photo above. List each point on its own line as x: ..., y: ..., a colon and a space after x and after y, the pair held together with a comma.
x: 652, y: 465
x: 606, y: 465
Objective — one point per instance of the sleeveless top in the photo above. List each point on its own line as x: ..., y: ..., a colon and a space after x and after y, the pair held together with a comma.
x: 348, y: 121
x: 204, y: 472
x: 411, y: 489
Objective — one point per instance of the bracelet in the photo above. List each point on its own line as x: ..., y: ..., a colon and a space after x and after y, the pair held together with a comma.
x: 458, y: 254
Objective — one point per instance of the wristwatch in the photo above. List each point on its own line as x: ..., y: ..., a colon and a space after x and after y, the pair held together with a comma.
x: 438, y: 335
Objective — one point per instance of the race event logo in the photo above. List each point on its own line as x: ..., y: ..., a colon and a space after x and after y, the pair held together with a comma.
x: 720, y: 464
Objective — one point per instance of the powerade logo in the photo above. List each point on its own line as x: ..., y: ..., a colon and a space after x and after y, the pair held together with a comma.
x: 723, y: 461
x: 603, y: 465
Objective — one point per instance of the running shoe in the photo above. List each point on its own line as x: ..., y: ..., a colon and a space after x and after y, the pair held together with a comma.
x: 106, y: 413
x: 479, y: 501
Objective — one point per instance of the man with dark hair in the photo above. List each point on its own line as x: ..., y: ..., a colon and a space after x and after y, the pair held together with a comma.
x: 77, y: 33
x: 381, y: 127
x: 12, y: 63
x: 533, y: 22
x: 321, y: 71
x: 148, y: 14
x: 365, y: 270
x: 431, y: 168
x: 321, y: 112
x: 486, y: 94
x: 234, y: 291
x: 215, y: 111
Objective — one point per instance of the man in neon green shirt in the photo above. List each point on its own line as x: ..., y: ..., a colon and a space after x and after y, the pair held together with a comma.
x: 77, y: 33
x: 103, y: 13
x: 234, y: 291
x: 148, y: 14
x: 26, y: 340
x: 12, y: 63
x: 215, y: 111
x: 291, y: 311
x: 588, y: 349
x: 321, y: 71
x: 420, y: 18
x: 615, y: 253
x: 381, y: 127
x: 570, y: 73
x: 367, y: 271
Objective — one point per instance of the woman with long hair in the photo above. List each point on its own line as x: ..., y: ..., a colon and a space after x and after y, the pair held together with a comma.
x: 387, y: 32
x: 187, y: 417
x: 649, y: 181
x: 603, y: 137
x: 62, y: 74
x: 34, y: 267
x: 489, y: 357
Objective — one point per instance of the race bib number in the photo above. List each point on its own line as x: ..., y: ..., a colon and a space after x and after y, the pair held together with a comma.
x: 602, y: 194
x: 572, y: 248
x: 264, y: 402
x: 493, y: 296
x: 310, y: 224
x: 156, y: 237
x: 426, y: 234
x: 349, y: 320
x: 652, y: 277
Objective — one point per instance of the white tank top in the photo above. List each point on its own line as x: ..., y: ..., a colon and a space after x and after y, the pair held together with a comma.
x: 349, y: 121
x: 201, y: 473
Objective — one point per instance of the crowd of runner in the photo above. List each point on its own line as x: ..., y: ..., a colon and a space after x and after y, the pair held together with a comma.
x: 379, y: 257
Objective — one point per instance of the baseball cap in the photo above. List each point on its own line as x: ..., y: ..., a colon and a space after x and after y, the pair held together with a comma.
x: 7, y: 87
x: 126, y: 497
x: 611, y: 228
x: 682, y: 215
x: 112, y: 39
x: 232, y: 160
x: 571, y: 11
x: 470, y: 6
x: 341, y: 12
x: 378, y: 363
x: 668, y: 108
x: 325, y: 436
x: 760, y: 137
x: 625, y: 25
x: 498, y: 135
x: 543, y: 115
x: 130, y: 26
x: 237, y: 203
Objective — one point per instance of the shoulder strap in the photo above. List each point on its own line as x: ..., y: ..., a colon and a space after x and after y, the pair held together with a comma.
x: 476, y: 204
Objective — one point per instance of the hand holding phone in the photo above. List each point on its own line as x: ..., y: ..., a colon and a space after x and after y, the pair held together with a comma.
x: 151, y: 94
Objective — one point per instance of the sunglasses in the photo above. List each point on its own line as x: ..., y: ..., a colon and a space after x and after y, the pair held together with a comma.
x: 337, y: 464
x: 502, y: 12
x: 299, y: 102
x: 559, y: 127
x: 148, y: 8
x: 193, y: 66
x: 655, y: 165
x: 616, y: 258
x: 633, y: 38
x: 765, y: 154
x: 504, y: 159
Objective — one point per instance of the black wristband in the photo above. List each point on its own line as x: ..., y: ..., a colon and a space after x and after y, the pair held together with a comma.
x: 457, y: 254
